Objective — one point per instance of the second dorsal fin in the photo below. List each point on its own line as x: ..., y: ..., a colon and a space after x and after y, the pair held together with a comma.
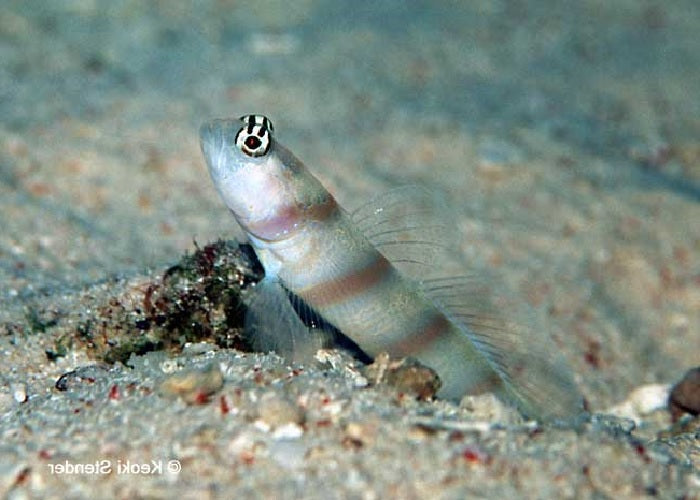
x: 410, y: 226
x: 536, y: 376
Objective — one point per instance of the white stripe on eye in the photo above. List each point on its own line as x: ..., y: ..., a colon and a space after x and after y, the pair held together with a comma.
x: 258, y: 120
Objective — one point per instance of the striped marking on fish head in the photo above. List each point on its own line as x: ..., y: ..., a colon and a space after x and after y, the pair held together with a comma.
x: 255, y: 137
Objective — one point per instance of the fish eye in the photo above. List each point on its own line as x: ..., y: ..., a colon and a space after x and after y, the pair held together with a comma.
x: 255, y: 136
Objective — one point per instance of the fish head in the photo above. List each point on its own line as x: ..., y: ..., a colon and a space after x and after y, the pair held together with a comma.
x: 260, y: 181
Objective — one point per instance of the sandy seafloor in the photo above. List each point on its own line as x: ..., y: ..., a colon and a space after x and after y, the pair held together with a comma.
x: 564, y: 134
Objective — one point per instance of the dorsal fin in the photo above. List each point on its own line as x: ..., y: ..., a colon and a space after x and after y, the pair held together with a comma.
x: 408, y: 225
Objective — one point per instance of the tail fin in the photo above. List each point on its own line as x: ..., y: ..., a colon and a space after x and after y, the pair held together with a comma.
x: 535, y: 375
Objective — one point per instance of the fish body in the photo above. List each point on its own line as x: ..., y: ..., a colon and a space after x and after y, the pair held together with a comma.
x: 338, y: 267
x: 370, y: 302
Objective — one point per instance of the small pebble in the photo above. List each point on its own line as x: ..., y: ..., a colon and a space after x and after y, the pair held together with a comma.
x: 488, y: 408
x: 276, y: 411
x: 196, y: 348
x: 19, y: 392
x: 342, y: 361
x: 241, y: 443
x: 641, y: 401
x: 194, y: 386
x: 685, y: 395
x: 84, y: 375
x: 361, y: 433
x: 289, y: 430
x: 9, y: 475
x: 405, y: 375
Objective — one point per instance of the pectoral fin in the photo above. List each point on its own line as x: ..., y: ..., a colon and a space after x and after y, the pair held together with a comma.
x: 273, y: 324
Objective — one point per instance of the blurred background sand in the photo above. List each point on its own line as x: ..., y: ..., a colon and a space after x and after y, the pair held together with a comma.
x: 565, y: 135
